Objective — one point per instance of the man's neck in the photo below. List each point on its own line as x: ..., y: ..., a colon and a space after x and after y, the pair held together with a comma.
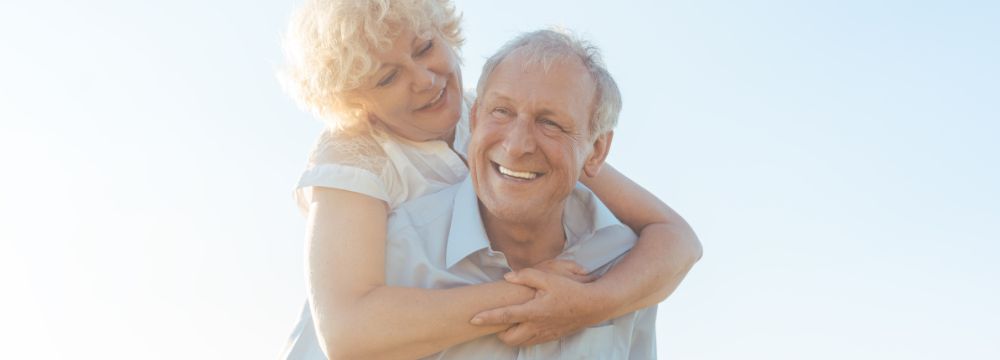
x: 525, y: 243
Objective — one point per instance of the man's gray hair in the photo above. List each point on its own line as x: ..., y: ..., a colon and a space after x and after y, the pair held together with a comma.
x: 545, y: 46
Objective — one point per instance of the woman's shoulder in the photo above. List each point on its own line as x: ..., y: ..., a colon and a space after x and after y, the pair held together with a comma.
x: 348, y: 147
x: 349, y: 160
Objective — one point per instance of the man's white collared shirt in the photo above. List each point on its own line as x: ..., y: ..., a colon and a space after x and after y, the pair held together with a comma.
x: 438, y: 241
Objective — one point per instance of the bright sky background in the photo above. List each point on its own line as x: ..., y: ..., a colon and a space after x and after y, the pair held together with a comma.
x: 839, y: 160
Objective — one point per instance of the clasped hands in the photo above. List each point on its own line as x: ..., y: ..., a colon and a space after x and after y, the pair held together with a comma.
x: 565, y: 302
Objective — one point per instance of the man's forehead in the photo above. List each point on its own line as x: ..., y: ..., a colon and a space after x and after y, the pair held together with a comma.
x: 561, y: 79
x: 541, y: 102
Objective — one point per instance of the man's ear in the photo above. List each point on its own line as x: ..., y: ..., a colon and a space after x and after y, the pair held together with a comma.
x: 596, y: 159
x: 473, y: 115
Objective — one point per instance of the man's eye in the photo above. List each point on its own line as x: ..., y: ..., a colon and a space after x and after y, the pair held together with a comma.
x: 501, y: 112
x: 387, y: 80
x: 426, y: 48
x: 551, y: 124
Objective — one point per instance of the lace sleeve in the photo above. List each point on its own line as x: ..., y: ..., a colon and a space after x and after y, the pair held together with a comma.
x: 347, y: 161
x: 348, y: 149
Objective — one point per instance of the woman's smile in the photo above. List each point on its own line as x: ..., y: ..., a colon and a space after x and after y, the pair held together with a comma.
x: 435, y: 104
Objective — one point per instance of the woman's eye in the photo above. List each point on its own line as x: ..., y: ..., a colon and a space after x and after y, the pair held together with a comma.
x: 426, y: 48
x: 387, y: 80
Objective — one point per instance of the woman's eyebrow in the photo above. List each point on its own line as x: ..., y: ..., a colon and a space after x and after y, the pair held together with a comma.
x: 381, y: 71
x: 413, y: 42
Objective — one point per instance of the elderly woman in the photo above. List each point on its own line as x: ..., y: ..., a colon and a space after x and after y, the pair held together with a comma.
x: 385, y: 76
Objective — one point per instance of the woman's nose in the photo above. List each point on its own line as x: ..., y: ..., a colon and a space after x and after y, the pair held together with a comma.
x: 423, y: 78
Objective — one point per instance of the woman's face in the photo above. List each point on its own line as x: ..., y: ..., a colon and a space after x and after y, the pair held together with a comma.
x: 416, y: 92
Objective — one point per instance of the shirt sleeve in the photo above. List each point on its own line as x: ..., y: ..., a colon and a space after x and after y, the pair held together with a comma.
x: 350, y: 178
x: 352, y: 162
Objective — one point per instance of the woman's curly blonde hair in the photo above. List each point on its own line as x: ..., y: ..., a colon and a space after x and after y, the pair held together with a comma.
x: 329, y: 48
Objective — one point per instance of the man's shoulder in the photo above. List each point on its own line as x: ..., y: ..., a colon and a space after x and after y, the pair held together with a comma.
x: 597, y: 238
x: 425, y: 209
x: 585, y: 213
x: 582, y: 196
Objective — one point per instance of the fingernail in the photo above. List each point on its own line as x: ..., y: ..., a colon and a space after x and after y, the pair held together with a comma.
x: 508, y: 276
x: 476, y: 321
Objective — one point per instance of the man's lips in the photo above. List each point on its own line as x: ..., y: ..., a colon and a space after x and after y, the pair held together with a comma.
x: 517, y: 174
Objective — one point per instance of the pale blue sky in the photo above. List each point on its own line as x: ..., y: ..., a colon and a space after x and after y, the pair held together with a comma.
x: 839, y: 160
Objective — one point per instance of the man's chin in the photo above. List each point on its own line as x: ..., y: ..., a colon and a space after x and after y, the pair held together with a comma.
x: 507, y: 210
x: 517, y: 215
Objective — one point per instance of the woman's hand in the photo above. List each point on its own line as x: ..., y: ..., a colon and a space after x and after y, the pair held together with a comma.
x: 566, y: 268
x: 563, y: 304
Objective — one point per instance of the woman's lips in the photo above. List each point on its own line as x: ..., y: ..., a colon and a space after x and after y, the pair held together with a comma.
x: 439, y: 99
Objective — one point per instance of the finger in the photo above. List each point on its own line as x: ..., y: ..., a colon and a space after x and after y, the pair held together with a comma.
x: 516, y: 335
x: 503, y: 334
x: 576, y: 268
x: 559, y: 271
x: 565, y: 266
x: 501, y: 316
x: 566, y: 269
x: 540, y: 279
x: 538, y: 339
x: 582, y: 278
x: 529, y: 277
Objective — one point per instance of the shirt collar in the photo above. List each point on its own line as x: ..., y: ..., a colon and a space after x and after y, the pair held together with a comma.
x: 585, y: 214
x: 583, y: 217
x: 467, y: 234
x: 594, y: 236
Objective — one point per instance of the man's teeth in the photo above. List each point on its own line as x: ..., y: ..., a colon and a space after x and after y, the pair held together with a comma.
x: 518, y: 174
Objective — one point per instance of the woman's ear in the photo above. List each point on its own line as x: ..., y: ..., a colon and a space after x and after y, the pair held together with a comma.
x: 357, y: 104
x: 600, y: 153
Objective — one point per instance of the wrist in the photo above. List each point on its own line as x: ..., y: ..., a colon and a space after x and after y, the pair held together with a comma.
x: 606, y: 301
x: 516, y: 293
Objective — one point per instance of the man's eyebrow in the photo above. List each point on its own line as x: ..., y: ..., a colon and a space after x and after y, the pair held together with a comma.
x: 547, y: 112
x: 544, y: 111
x: 494, y: 96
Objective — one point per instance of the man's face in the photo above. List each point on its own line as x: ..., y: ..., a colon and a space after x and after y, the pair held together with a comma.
x: 531, y: 137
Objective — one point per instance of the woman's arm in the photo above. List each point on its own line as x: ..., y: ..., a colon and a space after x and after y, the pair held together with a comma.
x: 666, y: 250
x: 356, y: 314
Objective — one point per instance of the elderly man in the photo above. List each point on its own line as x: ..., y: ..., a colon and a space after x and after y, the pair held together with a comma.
x: 543, y: 119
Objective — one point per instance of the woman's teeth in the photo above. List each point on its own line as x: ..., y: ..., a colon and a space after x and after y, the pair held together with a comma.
x: 433, y: 102
x: 517, y: 174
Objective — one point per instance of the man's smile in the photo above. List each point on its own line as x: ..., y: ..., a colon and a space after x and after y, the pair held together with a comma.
x: 516, y: 174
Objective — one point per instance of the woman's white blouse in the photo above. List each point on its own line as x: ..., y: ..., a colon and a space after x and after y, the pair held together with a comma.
x: 380, y: 165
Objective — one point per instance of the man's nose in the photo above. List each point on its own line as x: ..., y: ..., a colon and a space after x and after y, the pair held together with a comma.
x: 520, y: 138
